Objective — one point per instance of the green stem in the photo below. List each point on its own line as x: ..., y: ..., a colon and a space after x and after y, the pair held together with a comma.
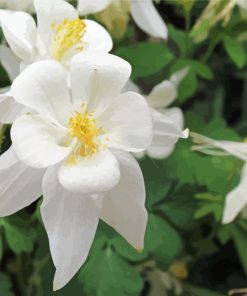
x: 210, y: 50
x: 34, y: 281
x: 187, y: 28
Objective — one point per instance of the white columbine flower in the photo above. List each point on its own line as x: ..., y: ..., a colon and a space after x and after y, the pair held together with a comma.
x: 78, y: 135
x: 60, y: 34
x: 168, y: 122
x: 143, y: 12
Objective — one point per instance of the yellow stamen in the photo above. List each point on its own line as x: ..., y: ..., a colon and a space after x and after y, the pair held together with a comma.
x: 83, y: 126
x: 67, y: 36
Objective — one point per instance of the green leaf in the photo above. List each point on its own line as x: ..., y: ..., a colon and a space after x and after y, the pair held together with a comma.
x: 240, y: 241
x: 209, y: 197
x: 219, y: 174
x: 155, y: 182
x: 235, y: 51
x: 188, y: 87
x: 107, y: 274
x: 224, y: 234
x: 202, y: 70
x: 126, y: 250
x: 180, y: 38
x: 198, y: 68
x: 200, y: 32
x: 210, y: 208
x: 146, y: 58
x: 19, y: 234
x: 5, y: 285
x: 156, y: 192
x: 180, y: 209
x: 209, y: 204
x: 162, y: 240
x: 189, y: 84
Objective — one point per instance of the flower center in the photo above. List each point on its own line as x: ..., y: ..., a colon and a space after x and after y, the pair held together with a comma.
x: 67, y: 36
x: 83, y: 126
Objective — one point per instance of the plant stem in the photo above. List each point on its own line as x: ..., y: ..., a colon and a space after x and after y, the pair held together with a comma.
x: 34, y: 280
x: 187, y: 28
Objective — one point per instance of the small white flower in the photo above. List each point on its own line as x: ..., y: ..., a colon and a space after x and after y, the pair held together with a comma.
x: 168, y: 122
x: 78, y: 135
x: 143, y: 12
x: 60, y: 34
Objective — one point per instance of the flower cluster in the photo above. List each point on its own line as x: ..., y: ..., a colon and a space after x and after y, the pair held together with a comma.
x: 76, y: 124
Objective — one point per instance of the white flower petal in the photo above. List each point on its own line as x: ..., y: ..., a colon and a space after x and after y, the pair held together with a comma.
x: 160, y: 152
x: 128, y: 123
x: 71, y: 221
x: 10, y: 110
x: 168, y: 123
x: 236, y: 200
x: 148, y: 19
x: 10, y: 62
x: 8, y: 159
x: 175, y: 115
x: 241, y: 3
x: 163, y: 140
x: 20, y: 31
x: 237, y: 149
x: 89, y: 175
x: 52, y: 12
x: 162, y: 95
x: 123, y: 206
x: 168, y: 127
x: 96, y: 37
x: 131, y: 86
x: 20, y: 5
x: 20, y: 185
x: 89, y: 6
x: 178, y: 76
x: 97, y: 78
x: 139, y: 155
x: 39, y: 143
x: 4, y: 12
x: 43, y: 87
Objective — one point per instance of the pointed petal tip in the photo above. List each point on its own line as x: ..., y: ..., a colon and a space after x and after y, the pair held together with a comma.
x: 186, y: 133
x: 140, y: 250
x: 58, y: 284
x: 55, y: 287
x: 226, y: 219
